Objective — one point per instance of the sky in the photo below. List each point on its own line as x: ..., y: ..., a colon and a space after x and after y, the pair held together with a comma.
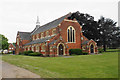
x: 21, y: 15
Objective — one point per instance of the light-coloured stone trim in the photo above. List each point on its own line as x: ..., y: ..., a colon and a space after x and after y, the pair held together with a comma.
x: 58, y: 48
x: 90, y: 47
x: 69, y: 20
x: 72, y: 34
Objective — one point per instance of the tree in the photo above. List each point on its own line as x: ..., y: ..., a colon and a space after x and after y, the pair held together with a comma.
x: 103, y: 31
x: 3, y: 42
x: 114, y: 40
x: 107, y: 30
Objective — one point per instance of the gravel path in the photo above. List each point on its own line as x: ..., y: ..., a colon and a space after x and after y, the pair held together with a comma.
x: 11, y: 71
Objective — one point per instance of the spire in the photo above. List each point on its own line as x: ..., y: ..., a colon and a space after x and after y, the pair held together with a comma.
x: 37, y: 23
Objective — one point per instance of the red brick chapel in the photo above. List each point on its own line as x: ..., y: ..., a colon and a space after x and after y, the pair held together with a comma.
x: 55, y: 38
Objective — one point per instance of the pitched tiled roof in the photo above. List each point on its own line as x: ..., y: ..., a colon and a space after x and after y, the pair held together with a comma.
x: 85, y: 42
x: 14, y: 44
x: 39, y: 40
x: 53, y: 24
x: 50, y: 25
x: 54, y: 41
x: 25, y: 35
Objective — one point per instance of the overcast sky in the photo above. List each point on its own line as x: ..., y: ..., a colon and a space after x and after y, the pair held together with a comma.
x: 20, y: 15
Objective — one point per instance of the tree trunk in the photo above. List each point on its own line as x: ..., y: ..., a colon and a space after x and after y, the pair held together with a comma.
x: 104, y: 43
x: 104, y: 47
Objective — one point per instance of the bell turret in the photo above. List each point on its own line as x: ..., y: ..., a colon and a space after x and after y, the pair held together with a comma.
x: 37, y: 23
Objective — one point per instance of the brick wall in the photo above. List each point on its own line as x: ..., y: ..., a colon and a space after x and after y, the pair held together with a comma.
x: 64, y: 25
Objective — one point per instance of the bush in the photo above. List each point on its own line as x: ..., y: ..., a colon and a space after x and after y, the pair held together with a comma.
x: 10, y: 52
x: 100, y: 50
x: 35, y: 54
x: 21, y: 53
x: 75, y: 51
x: 85, y: 53
x: 113, y: 48
x: 27, y: 52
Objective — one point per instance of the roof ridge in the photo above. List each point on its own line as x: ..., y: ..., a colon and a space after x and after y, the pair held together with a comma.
x: 13, y: 44
x: 23, y: 32
x: 58, y: 20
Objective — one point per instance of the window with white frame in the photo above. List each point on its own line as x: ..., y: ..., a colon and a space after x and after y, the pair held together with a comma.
x: 37, y: 36
x: 43, y: 48
x: 32, y: 48
x: 47, y: 33
x: 53, y: 31
x: 28, y: 48
x: 42, y: 35
x: 51, y: 49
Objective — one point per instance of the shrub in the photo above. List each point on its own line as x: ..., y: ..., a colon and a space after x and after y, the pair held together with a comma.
x: 10, y: 52
x: 27, y: 52
x: 85, y: 53
x: 75, y: 51
x: 100, y: 50
x: 112, y: 48
x: 21, y: 53
x: 35, y: 54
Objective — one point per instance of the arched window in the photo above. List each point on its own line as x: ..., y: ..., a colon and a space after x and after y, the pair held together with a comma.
x: 43, y: 48
x: 71, y: 34
x: 37, y: 48
x: 68, y: 36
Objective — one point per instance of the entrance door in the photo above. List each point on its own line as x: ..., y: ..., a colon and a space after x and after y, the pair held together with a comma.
x: 60, y: 49
x: 91, y: 49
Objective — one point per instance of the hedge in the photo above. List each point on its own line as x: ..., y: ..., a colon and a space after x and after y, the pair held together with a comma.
x: 35, y: 54
x: 75, y: 51
x: 100, y: 50
x: 10, y: 52
x: 85, y: 53
x: 27, y: 52
x: 20, y: 53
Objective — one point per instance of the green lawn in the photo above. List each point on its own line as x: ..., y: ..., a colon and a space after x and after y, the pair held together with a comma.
x: 82, y: 66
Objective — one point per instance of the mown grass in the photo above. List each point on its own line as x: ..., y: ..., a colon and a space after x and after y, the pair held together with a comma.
x: 82, y: 66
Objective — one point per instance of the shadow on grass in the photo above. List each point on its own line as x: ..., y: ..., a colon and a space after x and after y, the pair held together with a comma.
x: 114, y: 50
